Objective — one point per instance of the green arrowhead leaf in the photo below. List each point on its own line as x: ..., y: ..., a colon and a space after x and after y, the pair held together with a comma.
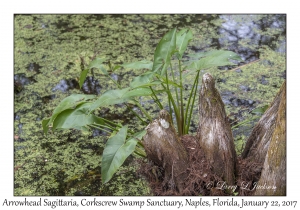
x: 67, y: 103
x: 77, y: 118
x: 215, y: 58
x: 164, y: 51
x: 118, y: 96
x: 197, y: 55
x: 143, y: 64
x: 194, y: 57
x: 143, y: 91
x: 210, y: 59
x: 115, y: 153
x: 97, y: 63
x: 144, y: 80
x: 183, y: 37
x: 110, y: 97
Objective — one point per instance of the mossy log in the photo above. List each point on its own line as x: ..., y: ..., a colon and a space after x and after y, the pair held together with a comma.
x: 273, y: 175
x: 214, y: 131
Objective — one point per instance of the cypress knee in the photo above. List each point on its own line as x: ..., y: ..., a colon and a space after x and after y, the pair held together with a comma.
x: 164, y: 148
x: 214, y: 131
x: 273, y: 175
x: 258, y: 142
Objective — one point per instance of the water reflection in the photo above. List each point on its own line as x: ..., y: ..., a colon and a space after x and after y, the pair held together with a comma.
x: 34, y: 67
x: 20, y: 80
x: 91, y: 86
x: 245, y: 34
x: 65, y: 85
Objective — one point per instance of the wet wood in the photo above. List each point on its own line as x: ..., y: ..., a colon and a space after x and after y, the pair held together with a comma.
x: 164, y: 148
x: 258, y: 142
x: 214, y: 132
x: 273, y: 176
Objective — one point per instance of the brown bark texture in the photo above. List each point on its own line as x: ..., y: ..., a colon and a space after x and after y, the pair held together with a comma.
x: 164, y: 148
x: 258, y: 142
x: 195, y: 165
x: 273, y: 175
x: 214, y: 131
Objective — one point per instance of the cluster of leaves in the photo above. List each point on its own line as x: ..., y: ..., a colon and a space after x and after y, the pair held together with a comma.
x: 76, y: 111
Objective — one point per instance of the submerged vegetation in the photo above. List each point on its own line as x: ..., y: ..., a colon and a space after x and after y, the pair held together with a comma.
x: 52, y: 50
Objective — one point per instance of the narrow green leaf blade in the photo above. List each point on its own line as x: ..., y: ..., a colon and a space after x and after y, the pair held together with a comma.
x: 45, y: 123
x: 260, y: 110
x: 115, y: 153
x: 82, y: 77
x: 183, y: 37
x: 164, y: 51
x: 143, y: 64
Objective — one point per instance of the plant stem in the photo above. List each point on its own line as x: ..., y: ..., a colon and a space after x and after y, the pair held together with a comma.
x: 102, y: 129
x: 136, y: 115
x: 119, y: 86
x: 186, y: 129
x: 110, y: 122
x: 176, y: 90
x: 143, y: 110
x: 177, y: 114
x: 241, y: 66
x: 140, y: 152
x: 245, y: 121
x: 141, y: 144
x: 169, y: 101
x: 192, y: 96
x: 181, y: 100
x: 156, y: 99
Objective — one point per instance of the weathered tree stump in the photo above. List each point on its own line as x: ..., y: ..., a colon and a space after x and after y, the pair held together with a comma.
x: 273, y: 175
x: 163, y: 147
x: 214, y: 132
x: 258, y: 142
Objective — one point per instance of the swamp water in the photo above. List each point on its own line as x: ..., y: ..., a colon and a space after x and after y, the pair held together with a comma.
x: 51, y: 50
